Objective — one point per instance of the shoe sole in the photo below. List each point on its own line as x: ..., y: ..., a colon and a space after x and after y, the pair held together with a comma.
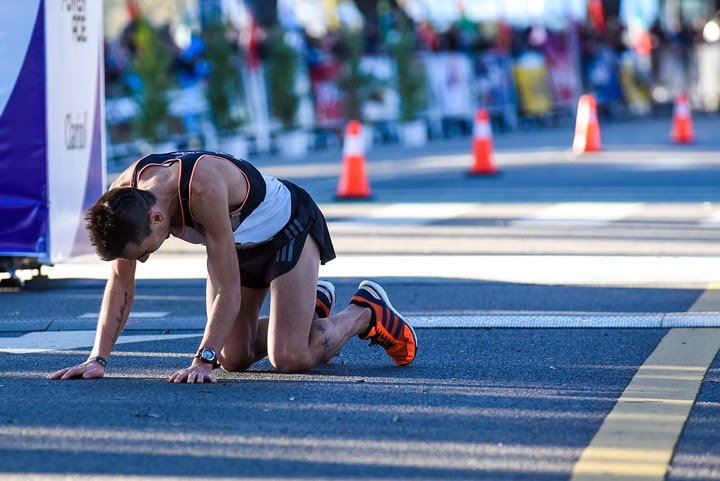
x: 378, y: 288
x: 330, y: 288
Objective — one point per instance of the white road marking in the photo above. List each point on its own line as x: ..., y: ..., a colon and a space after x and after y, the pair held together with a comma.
x: 713, y: 220
x: 136, y: 315
x: 411, y: 213
x: 581, y: 213
x: 660, y: 164
x: 566, y: 320
x: 455, y: 320
x: 532, y: 269
x: 44, y: 341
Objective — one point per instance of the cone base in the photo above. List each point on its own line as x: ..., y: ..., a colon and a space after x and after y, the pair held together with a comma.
x: 351, y: 198
x: 683, y: 138
x: 586, y: 151
x: 483, y: 172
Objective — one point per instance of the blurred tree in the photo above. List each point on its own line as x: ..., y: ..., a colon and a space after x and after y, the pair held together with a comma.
x: 353, y: 82
x: 411, y: 81
x: 282, y: 65
x: 224, y: 84
x: 151, y: 65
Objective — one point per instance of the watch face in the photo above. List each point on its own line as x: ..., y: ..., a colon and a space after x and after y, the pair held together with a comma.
x: 208, y: 354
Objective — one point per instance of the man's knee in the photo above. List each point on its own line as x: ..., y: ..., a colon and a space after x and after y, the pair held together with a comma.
x: 290, y: 360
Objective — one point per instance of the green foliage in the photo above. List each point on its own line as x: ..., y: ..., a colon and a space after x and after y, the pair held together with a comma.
x: 352, y: 81
x: 151, y: 65
x: 224, y: 84
x: 411, y: 79
x: 282, y: 66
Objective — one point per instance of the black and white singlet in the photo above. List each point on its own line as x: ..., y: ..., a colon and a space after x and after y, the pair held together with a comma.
x: 263, y: 213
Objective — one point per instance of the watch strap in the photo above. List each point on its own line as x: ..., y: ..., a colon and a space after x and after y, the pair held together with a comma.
x: 100, y: 360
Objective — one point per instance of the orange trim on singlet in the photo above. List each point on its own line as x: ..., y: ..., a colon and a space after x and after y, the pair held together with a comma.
x: 247, y: 181
x: 136, y: 175
x: 168, y: 161
x: 139, y: 174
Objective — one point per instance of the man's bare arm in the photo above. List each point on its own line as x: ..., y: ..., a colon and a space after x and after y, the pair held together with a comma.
x: 210, y: 208
x: 116, y: 305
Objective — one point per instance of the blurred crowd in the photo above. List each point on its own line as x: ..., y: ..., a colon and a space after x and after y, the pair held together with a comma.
x: 532, y: 70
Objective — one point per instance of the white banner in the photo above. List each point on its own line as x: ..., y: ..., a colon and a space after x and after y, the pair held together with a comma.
x: 75, y: 119
x: 449, y: 77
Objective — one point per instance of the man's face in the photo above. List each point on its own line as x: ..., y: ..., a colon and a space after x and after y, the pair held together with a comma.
x: 140, y: 252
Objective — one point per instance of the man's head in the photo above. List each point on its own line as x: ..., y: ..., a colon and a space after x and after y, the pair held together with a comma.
x: 121, y: 217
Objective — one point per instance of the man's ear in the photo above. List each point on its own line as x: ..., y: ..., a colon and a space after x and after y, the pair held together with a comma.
x: 155, y: 216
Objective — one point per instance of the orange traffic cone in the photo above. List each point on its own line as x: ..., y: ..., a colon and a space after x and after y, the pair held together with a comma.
x: 353, y: 179
x: 682, y: 127
x: 587, y: 127
x: 482, y: 145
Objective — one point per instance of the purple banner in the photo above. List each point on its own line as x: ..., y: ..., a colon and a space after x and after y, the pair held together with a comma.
x: 23, y: 169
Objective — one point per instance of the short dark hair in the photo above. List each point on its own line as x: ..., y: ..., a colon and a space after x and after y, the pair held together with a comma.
x: 119, y: 217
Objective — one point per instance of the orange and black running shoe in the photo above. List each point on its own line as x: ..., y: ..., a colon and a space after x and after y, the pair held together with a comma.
x: 325, y: 298
x: 388, y: 327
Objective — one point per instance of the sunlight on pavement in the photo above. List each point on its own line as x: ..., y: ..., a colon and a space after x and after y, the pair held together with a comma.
x: 44, y: 341
x: 408, y: 454
x: 535, y: 269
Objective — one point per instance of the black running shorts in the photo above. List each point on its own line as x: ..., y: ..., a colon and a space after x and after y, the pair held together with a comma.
x: 262, y: 263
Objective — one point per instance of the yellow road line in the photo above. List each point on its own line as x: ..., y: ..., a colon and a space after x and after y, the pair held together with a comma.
x: 637, y: 439
x: 709, y: 301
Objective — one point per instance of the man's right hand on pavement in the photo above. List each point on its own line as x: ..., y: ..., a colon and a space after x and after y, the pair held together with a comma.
x: 86, y: 370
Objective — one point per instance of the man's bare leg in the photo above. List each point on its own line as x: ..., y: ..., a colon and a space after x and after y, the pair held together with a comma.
x: 239, y: 351
x: 297, y: 341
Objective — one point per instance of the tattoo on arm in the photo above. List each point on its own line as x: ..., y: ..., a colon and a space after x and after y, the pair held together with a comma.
x: 120, y: 319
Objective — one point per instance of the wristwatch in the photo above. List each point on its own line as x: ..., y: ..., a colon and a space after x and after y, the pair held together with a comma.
x: 208, y: 354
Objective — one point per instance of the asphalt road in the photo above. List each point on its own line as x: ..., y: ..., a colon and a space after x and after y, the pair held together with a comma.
x: 554, y: 243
